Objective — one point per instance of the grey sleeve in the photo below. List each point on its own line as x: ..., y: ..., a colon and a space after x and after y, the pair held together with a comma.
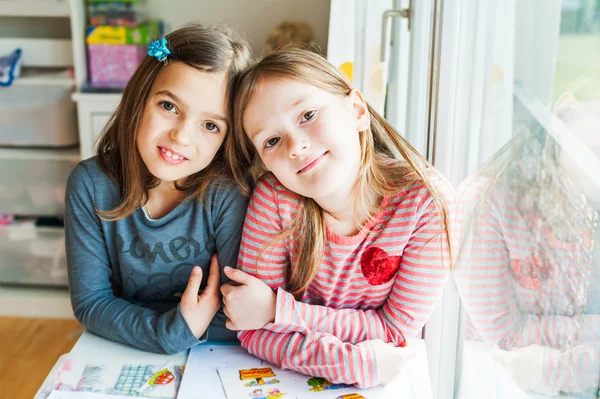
x: 92, y: 298
x: 228, y: 211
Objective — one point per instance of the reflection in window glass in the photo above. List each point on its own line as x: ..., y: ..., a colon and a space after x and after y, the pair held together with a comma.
x: 528, y: 265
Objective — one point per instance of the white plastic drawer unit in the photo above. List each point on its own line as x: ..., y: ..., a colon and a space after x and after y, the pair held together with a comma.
x: 32, y: 255
x: 33, y: 181
x: 37, y: 116
x: 93, y: 111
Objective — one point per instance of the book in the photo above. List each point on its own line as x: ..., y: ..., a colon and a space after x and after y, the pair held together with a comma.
x: 270, y: 382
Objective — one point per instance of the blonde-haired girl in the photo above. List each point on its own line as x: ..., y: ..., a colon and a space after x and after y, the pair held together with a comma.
x: 345, y: 249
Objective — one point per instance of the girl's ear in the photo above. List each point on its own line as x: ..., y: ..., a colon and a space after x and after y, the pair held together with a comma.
x: 360, y: 110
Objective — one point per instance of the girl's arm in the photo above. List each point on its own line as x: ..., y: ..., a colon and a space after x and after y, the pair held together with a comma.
x: 90, y: 272
x: 228, y: 209
x: 315, y: 353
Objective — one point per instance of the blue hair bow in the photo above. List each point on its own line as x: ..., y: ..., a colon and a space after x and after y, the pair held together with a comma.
x: 159, y: 49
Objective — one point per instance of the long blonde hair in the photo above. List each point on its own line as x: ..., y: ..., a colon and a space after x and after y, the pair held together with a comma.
x: 210, y: 49
x: 381, y: 148
x: 528, y: 168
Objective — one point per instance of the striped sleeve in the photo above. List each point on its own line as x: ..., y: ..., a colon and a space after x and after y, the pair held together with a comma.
x: 486, y: 285
x: 556, y: 331
x: 418, y: 285
x: 576, y: 370
x: 316, y: 354
x: 261, y: 254
x: 481, y: 272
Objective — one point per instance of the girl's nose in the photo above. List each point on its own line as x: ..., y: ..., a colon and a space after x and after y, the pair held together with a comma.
x: 179, y: 134
x: 297, y: 145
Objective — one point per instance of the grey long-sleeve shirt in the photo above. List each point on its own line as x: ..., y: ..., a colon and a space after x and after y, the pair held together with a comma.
x: 126, y: 277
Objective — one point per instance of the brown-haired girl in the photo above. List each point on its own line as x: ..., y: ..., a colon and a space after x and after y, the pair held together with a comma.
x: 347, y: 224
x: 159, y: 198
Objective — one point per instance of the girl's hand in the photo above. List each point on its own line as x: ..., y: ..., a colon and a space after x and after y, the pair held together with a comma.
x: 249, y: 303
x: 391, y: 360
x: 527, y: 367
x: 199, y: 310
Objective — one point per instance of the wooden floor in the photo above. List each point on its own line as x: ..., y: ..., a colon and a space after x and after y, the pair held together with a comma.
x: 28, y: 350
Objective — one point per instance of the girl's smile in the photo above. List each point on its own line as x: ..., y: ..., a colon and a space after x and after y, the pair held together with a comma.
x: 312, y: 163
x: 170, y: 156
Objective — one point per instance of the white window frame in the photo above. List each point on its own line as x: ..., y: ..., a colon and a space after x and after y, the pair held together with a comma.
x: 459, y: 70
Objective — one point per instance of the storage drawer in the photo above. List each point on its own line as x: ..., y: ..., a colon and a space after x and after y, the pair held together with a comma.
x: 32, y: 255
x: 94, y: 110
x: 35, y: 8
x: 37, y: 116
x: 33, y: 182
x: 99, y: 122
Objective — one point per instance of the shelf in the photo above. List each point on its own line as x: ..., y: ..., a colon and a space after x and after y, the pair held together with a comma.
x: 45, y: 62
x: 34, y: 8
x: 39, y: 52
x: 52, y: 154
x: 111, y: 98
x: 38, y: 77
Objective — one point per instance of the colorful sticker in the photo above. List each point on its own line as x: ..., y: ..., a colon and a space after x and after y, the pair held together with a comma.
x: 258, y: 375
x: 321, y: 384
x: 351, y: 396
x: 273, y: 393
x: 162, y: 377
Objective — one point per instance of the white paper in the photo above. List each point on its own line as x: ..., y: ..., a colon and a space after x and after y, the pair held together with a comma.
x: 276, y: 383
x: 108, y: 376
x: 90, y: 349
x: 201, y: 377
x: 201, y: 380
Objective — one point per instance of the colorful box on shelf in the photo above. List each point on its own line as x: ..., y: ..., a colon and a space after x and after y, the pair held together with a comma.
x: 113, y: 65
x: 142, y: 34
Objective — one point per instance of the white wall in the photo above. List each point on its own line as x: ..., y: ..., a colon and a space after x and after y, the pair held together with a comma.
x: 252, y: 18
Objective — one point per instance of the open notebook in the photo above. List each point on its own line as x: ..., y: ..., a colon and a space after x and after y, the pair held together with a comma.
x: 226, y: 372
x: 269, y: 382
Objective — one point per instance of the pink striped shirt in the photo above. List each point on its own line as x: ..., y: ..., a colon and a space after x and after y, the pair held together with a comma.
x: 327, y: 333
x: 521, y: 285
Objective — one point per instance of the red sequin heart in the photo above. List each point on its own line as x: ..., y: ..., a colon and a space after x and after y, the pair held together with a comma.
x: 530, y: 272
x: 377, y: 266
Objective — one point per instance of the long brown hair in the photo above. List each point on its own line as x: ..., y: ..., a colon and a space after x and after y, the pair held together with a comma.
x: 381, y: 148
x: 210, y: 49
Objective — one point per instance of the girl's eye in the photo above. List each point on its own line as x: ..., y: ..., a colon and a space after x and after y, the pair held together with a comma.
x: 271, y: 142
x: 308, y: 116
x: 211, y: 127
x: 167, y: 106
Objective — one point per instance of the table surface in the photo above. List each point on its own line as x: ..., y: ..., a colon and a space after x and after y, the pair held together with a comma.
x: 484, y: 377
x: 413, y: 384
